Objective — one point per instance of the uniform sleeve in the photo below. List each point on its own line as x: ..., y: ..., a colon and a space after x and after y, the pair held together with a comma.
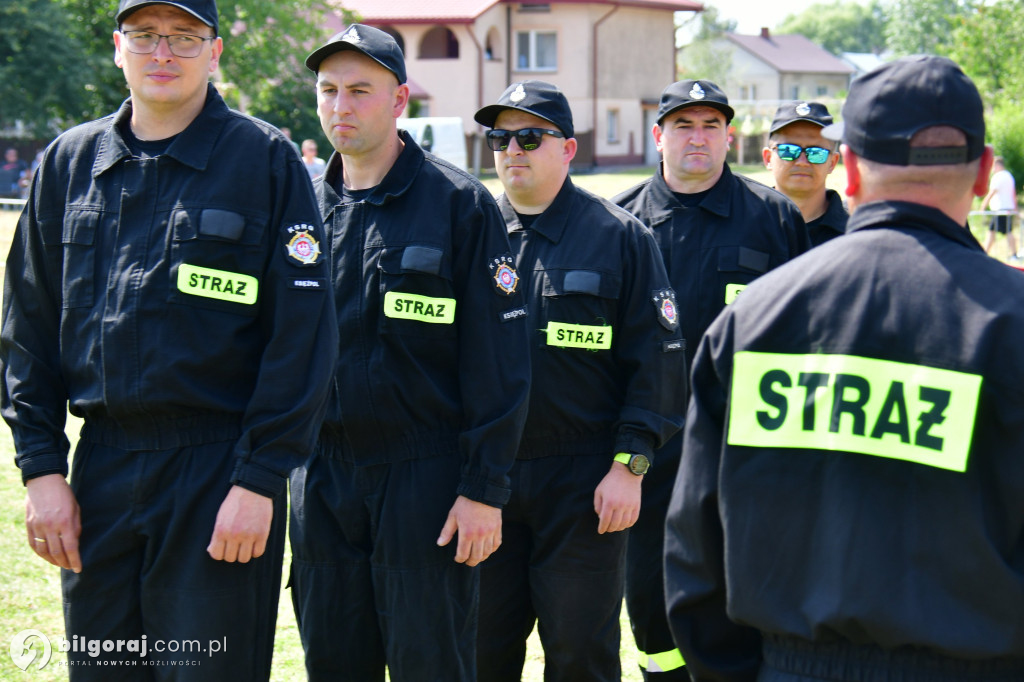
x: 649, y: 348
x: 494, y: 365
x: 713, y: 646
x: 34, y: 399
x: 284, y: 415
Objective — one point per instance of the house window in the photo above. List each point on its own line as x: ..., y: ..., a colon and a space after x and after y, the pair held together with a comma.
x: 748, y: 92
x: 795, y: 93
x: 439, y: 43
x: 535, y: 7
x: 536, y: 50
x: 613, y: 126
x: 822, y: 90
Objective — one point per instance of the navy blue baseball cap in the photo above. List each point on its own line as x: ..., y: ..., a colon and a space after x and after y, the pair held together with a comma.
x: 791, y: 112
x: 541, y: 99
x: 372, y: 42
x: 887, y: 106
x: 693, y: 93
x: 203, y: 10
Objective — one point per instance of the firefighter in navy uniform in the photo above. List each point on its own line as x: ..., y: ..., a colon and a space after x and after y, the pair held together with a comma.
x: 605, y: 351
x: 717, y: 232
x: 851, y: 502
x: 187, y: 318
x: 431, y: 390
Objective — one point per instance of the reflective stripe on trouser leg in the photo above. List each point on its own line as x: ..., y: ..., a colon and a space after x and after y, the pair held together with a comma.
x: 662, y: 662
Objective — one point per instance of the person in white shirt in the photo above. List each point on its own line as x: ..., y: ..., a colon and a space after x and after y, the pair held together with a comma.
x: 1002, y: 196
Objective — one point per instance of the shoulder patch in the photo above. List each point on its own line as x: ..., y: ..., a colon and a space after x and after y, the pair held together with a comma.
x: 301, y: 246
x: 503, y: 272
x: 665, y: 304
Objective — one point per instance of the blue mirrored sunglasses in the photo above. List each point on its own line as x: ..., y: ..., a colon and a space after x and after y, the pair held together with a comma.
x: 791, y: 152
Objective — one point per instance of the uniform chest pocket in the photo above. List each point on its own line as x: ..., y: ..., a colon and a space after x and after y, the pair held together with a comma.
x: 738, y: 266
x: 217, y: 259
x: 416, y: 292
x: 78, y: 250
x: 579, y: 308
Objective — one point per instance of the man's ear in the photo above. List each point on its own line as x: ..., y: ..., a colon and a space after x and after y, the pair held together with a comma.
x: 852, y: 170
x: 984, y: 171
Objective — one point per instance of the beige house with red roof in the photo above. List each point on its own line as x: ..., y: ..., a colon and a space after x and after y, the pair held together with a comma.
x: 611, y: 58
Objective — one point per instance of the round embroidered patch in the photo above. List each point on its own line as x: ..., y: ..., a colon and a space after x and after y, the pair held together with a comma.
x: 304, y: 248
x: 506, y: 278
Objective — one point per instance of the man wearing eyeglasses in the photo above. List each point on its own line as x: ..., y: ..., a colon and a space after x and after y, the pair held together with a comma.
x: 402, y: 498
x: 801, y: 159
x: 165, y: 284
x: 605, y: 353
x: 717, y: 232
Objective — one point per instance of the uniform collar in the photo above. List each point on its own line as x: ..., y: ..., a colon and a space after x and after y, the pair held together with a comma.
x: 552, y: 222
x: 905, y: 215
x: 662, y: 201
x: 835, y: 215
x: 396, y: 182
x: 192, y: 147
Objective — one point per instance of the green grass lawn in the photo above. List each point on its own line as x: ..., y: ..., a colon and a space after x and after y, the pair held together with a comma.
x: 31, y: 594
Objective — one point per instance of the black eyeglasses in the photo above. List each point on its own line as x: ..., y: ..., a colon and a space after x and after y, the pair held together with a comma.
x: 180, y: 44
x: 528, y: 139
x: 791, y: 152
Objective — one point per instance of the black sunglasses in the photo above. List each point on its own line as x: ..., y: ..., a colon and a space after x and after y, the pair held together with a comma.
x: 528, y: 139
x: 791, y: 152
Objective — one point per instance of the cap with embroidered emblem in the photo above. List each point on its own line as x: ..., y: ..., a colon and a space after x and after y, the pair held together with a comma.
x: 372, y: 42
x: 693, y: 93
x: 541, y: 99
x: 791, y: 112
x: 886, y: 107
x: 203, y: 10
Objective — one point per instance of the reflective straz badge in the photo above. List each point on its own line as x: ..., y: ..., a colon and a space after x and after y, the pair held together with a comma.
x: 506, y: 279
x: 302, y: 246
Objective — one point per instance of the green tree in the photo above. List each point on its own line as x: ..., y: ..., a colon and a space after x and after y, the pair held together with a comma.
x: 841, y: 27
x: 41, y: 71
x: 987, y: 43
x: 703, y: 57
x: 923, y: 26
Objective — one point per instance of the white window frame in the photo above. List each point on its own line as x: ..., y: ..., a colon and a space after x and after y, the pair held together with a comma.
x: 531, y: 61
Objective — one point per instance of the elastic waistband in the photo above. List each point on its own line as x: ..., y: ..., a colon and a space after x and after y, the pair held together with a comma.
x: 850, y: 662
x: 162, y: 433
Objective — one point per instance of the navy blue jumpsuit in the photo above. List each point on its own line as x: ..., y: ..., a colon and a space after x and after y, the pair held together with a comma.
x: 179, y: 305
x: 851, y: 502
x: 740, y: 230
x: 606, y: 357
x: 429, y: 403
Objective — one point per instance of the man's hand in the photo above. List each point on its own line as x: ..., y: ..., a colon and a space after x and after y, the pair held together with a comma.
x: 243, y: 526
x: 617, y: 499
x: 53, y: 521
x: 479, y: 528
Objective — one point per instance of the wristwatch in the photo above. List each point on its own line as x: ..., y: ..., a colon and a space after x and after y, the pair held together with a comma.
x: 638, y: 465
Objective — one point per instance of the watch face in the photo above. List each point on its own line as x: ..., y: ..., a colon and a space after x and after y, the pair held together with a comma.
x: 639, y: 464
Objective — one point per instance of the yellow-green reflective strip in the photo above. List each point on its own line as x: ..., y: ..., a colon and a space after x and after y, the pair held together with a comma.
x: 567, y: 335
x: 419, y: 308
x: 219, y: 284
x: 663, y: 662
x: 732, y: 291
x: 853, y: 404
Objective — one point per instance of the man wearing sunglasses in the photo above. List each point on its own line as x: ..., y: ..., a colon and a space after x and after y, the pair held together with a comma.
x: 165, y: 284
x: 801, y: 159
x: 606, y: 354
x: 717, y: 232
